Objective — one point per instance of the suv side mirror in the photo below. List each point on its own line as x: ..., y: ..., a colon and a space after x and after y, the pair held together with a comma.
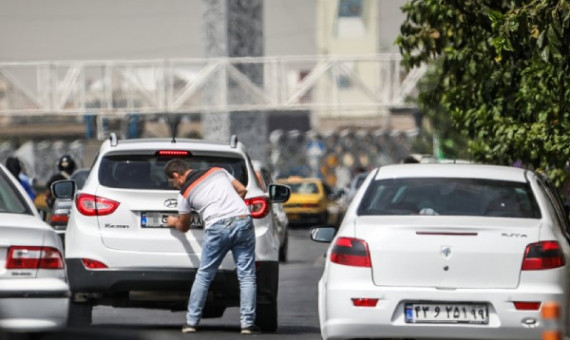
x: 279, y: 193
x: 63, y: 189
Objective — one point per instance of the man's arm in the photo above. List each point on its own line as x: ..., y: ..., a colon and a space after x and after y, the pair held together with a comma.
x: 180, y: 222
x: 240, y: 188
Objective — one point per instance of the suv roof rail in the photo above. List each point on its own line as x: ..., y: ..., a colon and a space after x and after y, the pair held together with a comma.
x: 113, y: 139
x: 233, y: 141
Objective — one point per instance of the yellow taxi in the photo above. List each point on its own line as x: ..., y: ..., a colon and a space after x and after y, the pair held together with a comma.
x: 311, y: 201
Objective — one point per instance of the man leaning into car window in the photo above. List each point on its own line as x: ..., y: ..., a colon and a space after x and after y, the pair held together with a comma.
x: 218, y: 197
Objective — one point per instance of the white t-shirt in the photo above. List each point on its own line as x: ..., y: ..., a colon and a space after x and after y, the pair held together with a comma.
x: 210, y: 192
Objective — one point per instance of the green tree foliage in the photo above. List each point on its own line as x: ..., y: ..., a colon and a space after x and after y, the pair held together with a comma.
x: 451, y: 143
x: 504, y: 75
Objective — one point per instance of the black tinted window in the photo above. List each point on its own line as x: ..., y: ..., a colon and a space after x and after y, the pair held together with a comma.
x: 147, y: 171
x: 449, y: 196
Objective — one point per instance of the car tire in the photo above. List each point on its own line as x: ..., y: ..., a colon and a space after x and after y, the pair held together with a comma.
x: 266, y: 317
x: 284, y: 249
x: 80, y: 314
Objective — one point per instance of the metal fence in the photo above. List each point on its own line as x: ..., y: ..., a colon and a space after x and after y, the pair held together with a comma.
x: 328, y: 84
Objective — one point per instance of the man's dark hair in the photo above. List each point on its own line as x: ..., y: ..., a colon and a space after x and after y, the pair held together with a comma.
x: 175, y: 165
x: 13, y: 164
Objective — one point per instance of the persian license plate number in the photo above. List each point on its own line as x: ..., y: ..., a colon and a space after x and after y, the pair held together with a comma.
x: 447, y: 313
x: 158, y: 220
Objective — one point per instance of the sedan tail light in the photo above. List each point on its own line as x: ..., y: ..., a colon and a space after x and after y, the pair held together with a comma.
x: 33, y: 257
x: 258, y: 206
x: 351, y: 252
x: 543, y: 255
x: 525, y: 305
x: 364, y: 302
x: 91, y: 205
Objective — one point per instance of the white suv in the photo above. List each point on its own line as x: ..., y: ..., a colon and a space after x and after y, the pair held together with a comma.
x: 119, y: 252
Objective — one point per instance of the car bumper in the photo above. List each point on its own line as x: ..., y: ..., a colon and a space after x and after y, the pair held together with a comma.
x: 164, y: 287
x: 33, y: 306
x: 340, y: 319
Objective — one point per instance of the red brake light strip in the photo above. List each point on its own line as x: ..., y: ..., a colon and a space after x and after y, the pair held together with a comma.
x: 173, y: 153
x: 429, y: 233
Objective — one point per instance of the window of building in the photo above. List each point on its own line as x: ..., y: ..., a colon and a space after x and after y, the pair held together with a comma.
x: 349, y: 21
x: 349, y: 8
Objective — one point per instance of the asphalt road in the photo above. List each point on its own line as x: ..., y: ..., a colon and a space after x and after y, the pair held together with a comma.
x: 298, y: 318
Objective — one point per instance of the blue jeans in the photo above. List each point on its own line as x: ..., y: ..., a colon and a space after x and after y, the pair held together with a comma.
x: 238, y: 235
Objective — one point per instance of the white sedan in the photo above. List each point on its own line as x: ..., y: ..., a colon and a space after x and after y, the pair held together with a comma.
x: 34, y: 293
x: 446, y: 251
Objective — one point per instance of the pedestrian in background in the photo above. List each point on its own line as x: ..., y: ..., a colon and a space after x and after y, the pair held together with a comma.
x: 14, y: 165
x: 219, y: 199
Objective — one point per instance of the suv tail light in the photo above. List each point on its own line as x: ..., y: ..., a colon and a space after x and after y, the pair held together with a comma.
x: 258, y: 206
x: 34, y: 257
x: 351, y: 252
x: 543, y: 255
x: 91, y: 205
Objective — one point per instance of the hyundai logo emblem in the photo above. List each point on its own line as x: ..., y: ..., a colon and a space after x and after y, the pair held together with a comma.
x: 446, y: 251
x: 171, y: 203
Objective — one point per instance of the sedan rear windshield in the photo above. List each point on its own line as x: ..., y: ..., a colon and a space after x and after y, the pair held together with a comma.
x: 449, y: 196
x: 147, y: 171
x: 11, y: 200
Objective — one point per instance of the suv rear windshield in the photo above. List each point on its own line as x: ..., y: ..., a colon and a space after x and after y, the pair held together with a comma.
x: 147, y: 171
x: 449, y: 196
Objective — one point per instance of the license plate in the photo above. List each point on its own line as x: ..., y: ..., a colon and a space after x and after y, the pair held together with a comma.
x: 158, y: 220
x: 447, y: 313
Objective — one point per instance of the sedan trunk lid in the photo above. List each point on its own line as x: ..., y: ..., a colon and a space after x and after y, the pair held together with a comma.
x: 447, y: 252
x: 19, y: 230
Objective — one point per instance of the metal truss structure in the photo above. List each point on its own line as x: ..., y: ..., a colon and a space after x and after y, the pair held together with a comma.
x: 339, y: 84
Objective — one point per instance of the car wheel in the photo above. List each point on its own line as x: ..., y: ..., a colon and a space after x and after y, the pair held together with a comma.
x: 266, y: 317
x: 284, y: 249
x: 80, y: 314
